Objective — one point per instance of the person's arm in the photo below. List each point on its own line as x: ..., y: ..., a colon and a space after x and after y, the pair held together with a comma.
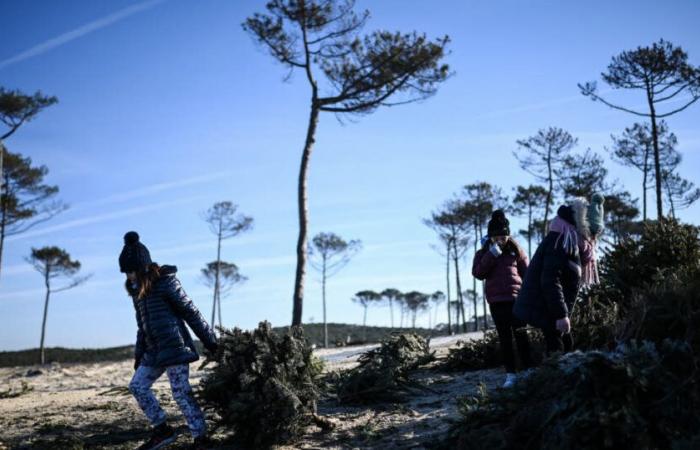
x: 551, y: 283
x: 185, y: 309
x: 484, y: 261
x: 140, y: 347
x: 522, y: 264
x: 521, y: 258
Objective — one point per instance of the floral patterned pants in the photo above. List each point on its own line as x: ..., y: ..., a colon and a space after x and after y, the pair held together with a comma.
x: 140, y: 387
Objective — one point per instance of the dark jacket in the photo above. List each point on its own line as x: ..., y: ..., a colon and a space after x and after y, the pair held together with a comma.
x: 550, y: 286
x: 503, y: 274
x: 163, y: 339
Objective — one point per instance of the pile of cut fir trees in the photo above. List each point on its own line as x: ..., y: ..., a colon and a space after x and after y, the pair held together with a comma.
x: 634, y: 380
x: 263, y: 386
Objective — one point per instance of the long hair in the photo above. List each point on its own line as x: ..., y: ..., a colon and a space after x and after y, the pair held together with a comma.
x: 144, y: 281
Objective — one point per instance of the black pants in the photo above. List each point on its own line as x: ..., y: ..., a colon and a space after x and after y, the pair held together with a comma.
x: 508, y: 325
x: 555, y: 341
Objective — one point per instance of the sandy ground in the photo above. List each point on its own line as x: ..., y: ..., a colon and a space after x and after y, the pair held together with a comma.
x: 88, y: 406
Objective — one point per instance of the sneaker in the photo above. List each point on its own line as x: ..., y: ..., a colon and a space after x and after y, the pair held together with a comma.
x: 510, y: 380
x: 201, y: 443
x: 162, y: 435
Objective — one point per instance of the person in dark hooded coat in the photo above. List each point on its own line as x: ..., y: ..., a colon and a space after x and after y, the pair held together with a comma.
x: 552, y: 282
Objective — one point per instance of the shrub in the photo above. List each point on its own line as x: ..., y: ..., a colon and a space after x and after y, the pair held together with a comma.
x: 383, y: 373
x: 629, y: 398
x: 485, y: 353
x: 670, y: 309
x: 476, y: 354
x: 663, y: 247
x: 263, y: 385
x: 595, y: 320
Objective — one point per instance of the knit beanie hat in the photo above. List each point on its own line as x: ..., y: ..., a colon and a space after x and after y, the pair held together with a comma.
x: 134, y: 256
x: 596, y: 214
x: 498, y: 225
x: 567, y: 213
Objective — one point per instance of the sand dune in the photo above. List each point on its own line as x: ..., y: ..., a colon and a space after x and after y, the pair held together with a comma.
x: 88, y: 404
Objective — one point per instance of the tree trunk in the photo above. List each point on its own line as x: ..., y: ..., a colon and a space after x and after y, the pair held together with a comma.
x: 413, y: 321
x: 364, y: 325
x: 42, y: 356
x: 529, y: 232
x: 2, y: 167
x: 550, y: 191
x: 323, y: 296
x: 3, y: 224
x: 391, y: 311
x: 216, y: 277
x: 460, y: 296
x: 657, y: 156
x: 218, y: 303
x: 449, y: 296
x: 672, y: 209
x: 476, y: 311
x: 644, y: 185
x: 303, y: 216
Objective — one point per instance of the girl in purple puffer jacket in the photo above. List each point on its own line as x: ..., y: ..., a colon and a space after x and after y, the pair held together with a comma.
x: 501, y: 263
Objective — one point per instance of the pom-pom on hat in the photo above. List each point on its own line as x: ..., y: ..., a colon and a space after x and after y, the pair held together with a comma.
x: 499, y: 224
x: 596, y: 214
x: 134, y: 257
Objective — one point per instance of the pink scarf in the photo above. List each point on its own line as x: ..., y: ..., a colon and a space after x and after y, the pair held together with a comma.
x: 572, y: 242
x: 568, y: 236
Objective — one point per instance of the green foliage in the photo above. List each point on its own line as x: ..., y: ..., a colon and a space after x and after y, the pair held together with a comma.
x: 485, y: 353
x: 475, y: 354
x: 263, y: 386
x: 384, y: 373
x: 664, y: 247
x: 595, y: 320
x: 53, y: 261
x: 66, y: 355
x: 339, y: 333
x: 669, y: 309
x: 17, y: 108
x: 623, y: 399
x: 26, y: 201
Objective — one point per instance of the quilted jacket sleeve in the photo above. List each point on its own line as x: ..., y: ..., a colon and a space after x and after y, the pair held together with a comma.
x: 187, y: 311
x: 483, y: 263
x: 551, y: 284
x: 140, y: 347
x: 522, y: 264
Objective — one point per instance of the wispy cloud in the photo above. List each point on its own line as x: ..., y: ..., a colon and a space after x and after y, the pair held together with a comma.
x: 79, y: 32
x: 145, y: 191
x: 103, y: 217
x: 537, y: 106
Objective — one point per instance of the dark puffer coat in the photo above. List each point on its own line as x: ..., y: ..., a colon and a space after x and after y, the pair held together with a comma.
x: 503, y: 274
x: 163, y: 339
x: 550, y: 286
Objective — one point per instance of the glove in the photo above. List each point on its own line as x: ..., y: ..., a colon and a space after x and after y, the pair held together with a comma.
x: 564, y: 325
x: 496, y: 250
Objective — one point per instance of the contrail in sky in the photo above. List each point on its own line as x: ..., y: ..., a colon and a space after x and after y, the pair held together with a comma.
x: 79, y: 32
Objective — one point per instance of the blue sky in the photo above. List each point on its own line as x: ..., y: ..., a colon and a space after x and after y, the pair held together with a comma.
x: 168, y: 106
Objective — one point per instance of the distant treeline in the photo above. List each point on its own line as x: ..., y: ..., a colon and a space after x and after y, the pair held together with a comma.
x: 338, y: 333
